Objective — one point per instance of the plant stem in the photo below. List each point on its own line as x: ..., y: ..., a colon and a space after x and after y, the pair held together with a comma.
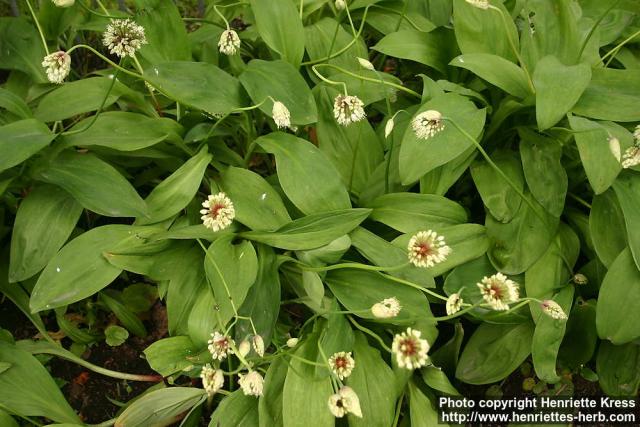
x: 326, y: 80
x: 593, y: 29
x: 369, y: 332
x: 615, y: 50
x: 105, y: 59
x: 35, y: 19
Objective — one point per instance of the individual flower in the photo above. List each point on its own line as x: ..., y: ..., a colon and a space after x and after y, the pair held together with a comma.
x: 212, y: 379
x: 292, y: 342
x: 553, y: 309
x: 344, y: 402
x: 388, y: 307
x: 281, y: 115
x: 499, y: 291
x: 348, y: 109
x: 365, y: 63
x: 244, y: 348
x: 218, y: 212
x: 410, y: 349
x: 480, y: 4
x: 220, y: 345
x: 124, y: 37
x: 251, y: 383
x: 57, y: 66
x: 614, y: 147
x: 229, y: 42
x: 631, y: 157
x: 427, y: 249
x: 580, y: 279
x: 342, y: 364
x: 341, y: 4
x: 388, y: 128
x: 427, y: 124
x: 454, y: 304
x: 64, y: 3
x: 258, y: 345
x: 636, y: 133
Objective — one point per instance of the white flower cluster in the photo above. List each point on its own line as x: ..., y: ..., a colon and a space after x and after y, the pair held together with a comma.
x: 427, y: 249
x: 553, y: 309
x: 410, y: 350
x: 57, y: 66
x: 387, y: 308
x: 499, y: 291
x: 218, y: 212
x: 342, y: 363
x: 123, y: 37
x: 229, y: 42
x: 348, y: 109
x: 427, y: 124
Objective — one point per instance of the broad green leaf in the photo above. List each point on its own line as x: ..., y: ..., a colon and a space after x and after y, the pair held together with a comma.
x: 592, y: 140
x: 21, y: 48
x: 558, y: 88
x: 7, y: 420
x: 95, y: 184
x: 319, y: 37
x: 200, y: 321
x: 115, y: 335
x: 467, y: 242
x: 385, y: 254
x: 279, y: 81
x: 407, y: 212
x: 198, y: 85
x: 371, y: 379
x: 354, y: 150
x: 311, y: 231
x: 14, y: 104
x: 79, y: 270
x: 330, y: 253
x: 270, y: 403
x: 19, y: 297
x: 44, y: 222
x: 546, y: 177
x: 496, y: 70
x: 21, y: 140
x: 27, y: 388
x: 419, y: 46
x: 435, y: 378
x: 607, y: 227
x: 618, y: 368
x: 358, y: 290
x: 236, y: 410
x: 175, y: 192
x: 611, y: 95
x: 627, y: 188
x: 493, y: 352
x: 581, y: 336
x: 619, y: 301
x: 307, y: 177
x: 484, y: 31
x: 442, y: 178
x: 366, y: 85
x: 306, y: 389
x: 499, y: 198
x: 119, y: 130
x: 548, y: 337
x: 164, y: 30
x: 445, y: 145
x: 413, y: 20
x: 422, y: 410
x: 161, y: 407
x: 280, y: 27
x: 257, y: 204
x: 128, y: 319
x: 231, y: 270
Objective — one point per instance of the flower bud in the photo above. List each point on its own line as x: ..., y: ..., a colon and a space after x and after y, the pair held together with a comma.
x: 244, y: 348
x: 258, y: 345
x: 388, y: 128
x: 292, y: 342
x: 364, y: 63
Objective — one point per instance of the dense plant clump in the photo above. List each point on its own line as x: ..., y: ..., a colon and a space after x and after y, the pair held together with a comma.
x: 340, y: 209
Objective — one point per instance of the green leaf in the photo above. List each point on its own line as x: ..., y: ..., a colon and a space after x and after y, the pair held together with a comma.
x: 546, y: 177
x: 44, y: 222
x: 115, y: 335
x: 611, y: 95
x: 607, y: 227
x: 95, y: 184
x: 236, y: 410
x: 358, y: 290
x: 558, y: 88
x: 128, y: 319
x: 198, y: 85
x: 618, y: 368
x: 14, y: 104
x: 257, y: 204
x: 445, y: 145
x: 619, y: 301
x: 581, y: 336
x: 270, y: 404
x: 311, y: 231
x: 164, y: 30
x: 119, y: 130
x: 548, y: 337
x: 161, y: 407
x: 307, y: 177
x: 21, y: 140
x: 170, y: 355
x: 627, y: 188
x: 435, y: 378
x: 21, y: 48
x: 371, y: 379
x: 200, y: 321
x: 27, y: 388
x: 493, y: 352
x: 484, y: 31
x: 601, y: 166
x: 318, y: 39
x: 422, y: 410
x: 407, y: 212
x: 425, y: 48
x: 79, y: 270
x: 231, y: 270
x: 280, y: 27
x: 496, y: 70
x: 175, y: 192
x: 500, y: 199
x: 354, y: 150
x: 279, y: 80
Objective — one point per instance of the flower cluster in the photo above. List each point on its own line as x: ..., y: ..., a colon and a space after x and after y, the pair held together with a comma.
x: 499, y: 291
x: 344, y: 402
x: 251, y: 383
x: 427, y: 249
x: 218, y: 212
x: 124, y: 37
x: 454, y: 304
x: 480, y: 4
x: 427, y: 124
x: 57, y: 66
x: 229, y: 42
x: 553, y: 309
x: 220, y: 346
x: 388, y: 307
x: 281, y: 115
x: 342, y: 364
x: 348, y: 109
x: 212, y: 379
x: 410, y: 350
